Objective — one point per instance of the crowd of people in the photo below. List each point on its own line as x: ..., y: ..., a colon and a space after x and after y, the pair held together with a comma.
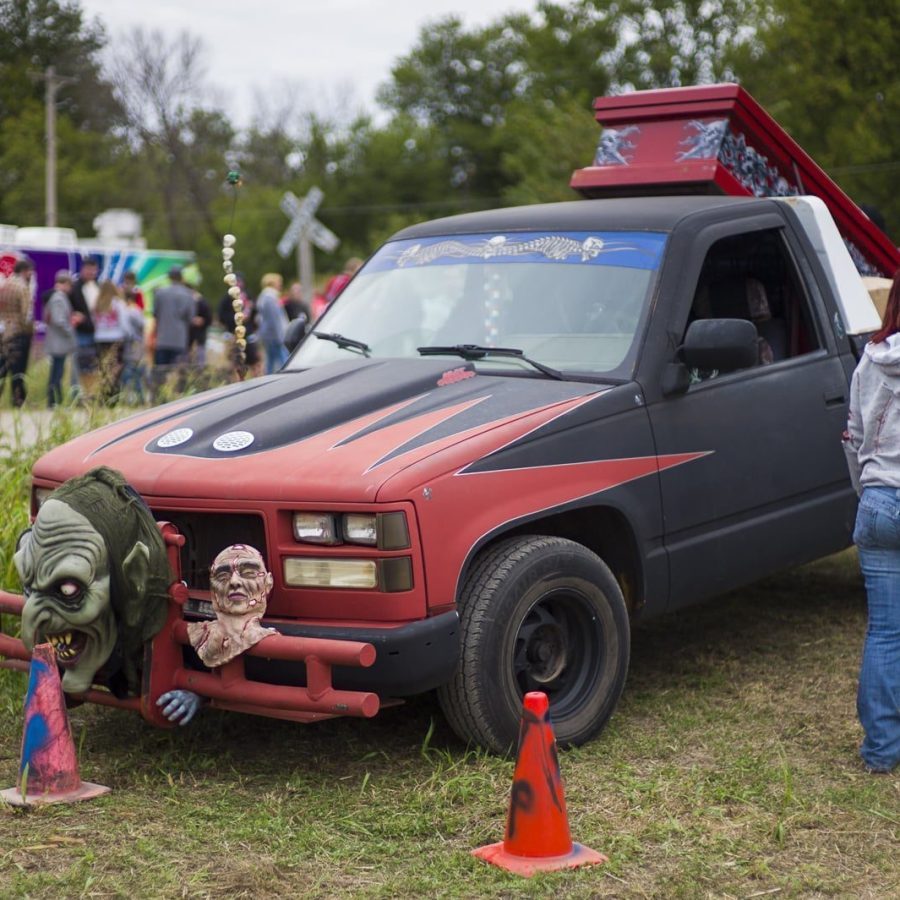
x: 101, y: 330
x: 267, y: 317
x: 114, y: 348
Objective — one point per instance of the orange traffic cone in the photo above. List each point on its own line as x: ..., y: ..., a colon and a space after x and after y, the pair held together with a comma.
x: 537, y: 830
x: 48, y: 772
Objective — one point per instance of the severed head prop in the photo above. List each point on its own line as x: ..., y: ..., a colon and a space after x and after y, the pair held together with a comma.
x: 95, y: 576
x: 240, y: 585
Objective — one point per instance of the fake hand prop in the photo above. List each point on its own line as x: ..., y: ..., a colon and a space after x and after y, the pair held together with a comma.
x: 179, y: 706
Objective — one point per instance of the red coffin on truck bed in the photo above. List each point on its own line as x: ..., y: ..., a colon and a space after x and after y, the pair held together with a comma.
x: 717, y: 139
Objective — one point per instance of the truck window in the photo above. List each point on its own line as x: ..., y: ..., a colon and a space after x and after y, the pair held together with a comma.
x: 752, y: 276
x: 575, y: 301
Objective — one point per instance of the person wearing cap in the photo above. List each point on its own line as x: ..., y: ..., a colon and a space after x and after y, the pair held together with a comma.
x: 16, y: 325
x: 173, y: 309
x: 60, y: 341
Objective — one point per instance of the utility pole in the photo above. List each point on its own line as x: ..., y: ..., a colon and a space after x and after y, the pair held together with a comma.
x: 306, y: 271
x: 53, y: 83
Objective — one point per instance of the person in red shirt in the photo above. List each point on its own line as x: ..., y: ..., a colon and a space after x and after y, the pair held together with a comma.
x: 130, y: 289
x: 337, y: 283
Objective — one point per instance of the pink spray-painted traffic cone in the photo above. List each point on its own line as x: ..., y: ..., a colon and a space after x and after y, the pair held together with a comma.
x: 537, y: 829
x: 48, y: 772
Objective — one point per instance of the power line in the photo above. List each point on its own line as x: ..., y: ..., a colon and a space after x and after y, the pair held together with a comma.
x: 268, y: 212
x: 865, y: 167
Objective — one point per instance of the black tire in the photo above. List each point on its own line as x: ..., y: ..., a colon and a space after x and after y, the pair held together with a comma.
x: 537, y: 613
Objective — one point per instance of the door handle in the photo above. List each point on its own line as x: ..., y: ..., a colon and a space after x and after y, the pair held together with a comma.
x: 834, y: 398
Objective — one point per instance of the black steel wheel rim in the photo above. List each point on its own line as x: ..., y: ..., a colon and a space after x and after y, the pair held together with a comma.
x: 558, y: 649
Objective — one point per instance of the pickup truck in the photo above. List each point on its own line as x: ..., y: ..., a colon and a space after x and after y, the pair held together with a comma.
x: 514, y: 433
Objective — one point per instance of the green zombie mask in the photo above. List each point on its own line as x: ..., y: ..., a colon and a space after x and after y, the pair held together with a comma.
x: 95, y: 575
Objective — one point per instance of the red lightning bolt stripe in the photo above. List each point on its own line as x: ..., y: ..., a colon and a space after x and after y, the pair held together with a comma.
x: 541, y: 487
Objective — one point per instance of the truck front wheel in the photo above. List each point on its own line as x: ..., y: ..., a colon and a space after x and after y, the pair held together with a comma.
x: 537, y: 614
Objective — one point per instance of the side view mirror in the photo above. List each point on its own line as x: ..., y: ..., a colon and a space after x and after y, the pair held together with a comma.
x: 723, y: 344
x: 295, y: 333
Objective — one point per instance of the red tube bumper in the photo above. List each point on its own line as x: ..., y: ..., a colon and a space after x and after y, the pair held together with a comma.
x: 225, y: 687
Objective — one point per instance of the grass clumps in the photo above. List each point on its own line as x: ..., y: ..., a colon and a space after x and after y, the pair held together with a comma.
x: 730, y: 769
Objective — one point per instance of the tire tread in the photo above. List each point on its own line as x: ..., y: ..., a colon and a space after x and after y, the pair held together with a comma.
x: 463, y: 698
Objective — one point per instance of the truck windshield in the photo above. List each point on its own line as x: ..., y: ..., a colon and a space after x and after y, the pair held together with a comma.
x: 572, y: 301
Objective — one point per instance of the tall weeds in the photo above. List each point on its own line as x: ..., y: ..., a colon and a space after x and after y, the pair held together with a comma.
x: 18, y: 454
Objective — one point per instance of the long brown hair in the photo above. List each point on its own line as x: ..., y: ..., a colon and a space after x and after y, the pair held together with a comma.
x: 890, y: 323
x: 108, y: 291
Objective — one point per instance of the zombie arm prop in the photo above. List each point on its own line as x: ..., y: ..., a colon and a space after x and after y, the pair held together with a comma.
x: 179, y: 706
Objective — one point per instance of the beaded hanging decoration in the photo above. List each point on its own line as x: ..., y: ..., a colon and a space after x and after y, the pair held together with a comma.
x: 234, y: 290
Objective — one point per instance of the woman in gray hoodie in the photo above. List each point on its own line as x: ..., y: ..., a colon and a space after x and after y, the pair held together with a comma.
x: 872, y: 443
x: 60, y: 340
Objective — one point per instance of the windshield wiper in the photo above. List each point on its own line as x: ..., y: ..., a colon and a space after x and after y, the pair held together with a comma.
x: 476, y: 351
x: 344, y: 343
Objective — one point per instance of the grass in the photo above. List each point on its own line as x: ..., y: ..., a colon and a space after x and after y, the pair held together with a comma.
x: 21, y: 443
x: 729, y: 770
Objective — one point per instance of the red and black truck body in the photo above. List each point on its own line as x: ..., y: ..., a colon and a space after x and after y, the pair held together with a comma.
x: 556, y: 418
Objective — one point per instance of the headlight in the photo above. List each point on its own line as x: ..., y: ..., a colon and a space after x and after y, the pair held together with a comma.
x: 389, y: 575
x: 359, y: 528
x: 333, y: 573
x: 315, y: 528
x: 387, y: 531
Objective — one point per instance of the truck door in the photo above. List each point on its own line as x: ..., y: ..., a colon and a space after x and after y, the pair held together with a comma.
x: 773, y: 491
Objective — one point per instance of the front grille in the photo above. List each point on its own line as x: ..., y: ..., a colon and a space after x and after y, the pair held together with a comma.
x: 207, y: 534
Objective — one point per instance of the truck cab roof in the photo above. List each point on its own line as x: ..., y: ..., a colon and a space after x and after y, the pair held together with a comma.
x: 617, y: 214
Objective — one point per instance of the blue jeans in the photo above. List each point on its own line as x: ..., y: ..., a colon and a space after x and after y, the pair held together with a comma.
x: 877, y: 535
x: 54, y: 383
x: 14, y: 360
x: 167, y: 356
x: 276, y: 355
x: 133, y: 380
x: 82, y: 361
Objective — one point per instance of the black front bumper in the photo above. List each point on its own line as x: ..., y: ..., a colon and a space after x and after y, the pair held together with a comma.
x: 409, y: 659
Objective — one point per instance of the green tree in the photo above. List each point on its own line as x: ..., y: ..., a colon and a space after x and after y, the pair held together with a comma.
x: 42, y: 33
x: 38, y: 34
x: 181, y: 143
x: 566, y: 51
x: 675, y: 43
x: 830, y: 74
x: 460, y: 82
x: 542, y: 147
x: 549, y: 131
x: 382, y: 178
x: 466, y: 84
x: 91, y: 171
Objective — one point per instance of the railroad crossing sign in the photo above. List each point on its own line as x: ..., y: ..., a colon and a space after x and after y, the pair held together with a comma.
x: 303, y: 231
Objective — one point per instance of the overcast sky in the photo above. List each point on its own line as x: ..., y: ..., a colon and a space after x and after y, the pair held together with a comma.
x: 329, y: 49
